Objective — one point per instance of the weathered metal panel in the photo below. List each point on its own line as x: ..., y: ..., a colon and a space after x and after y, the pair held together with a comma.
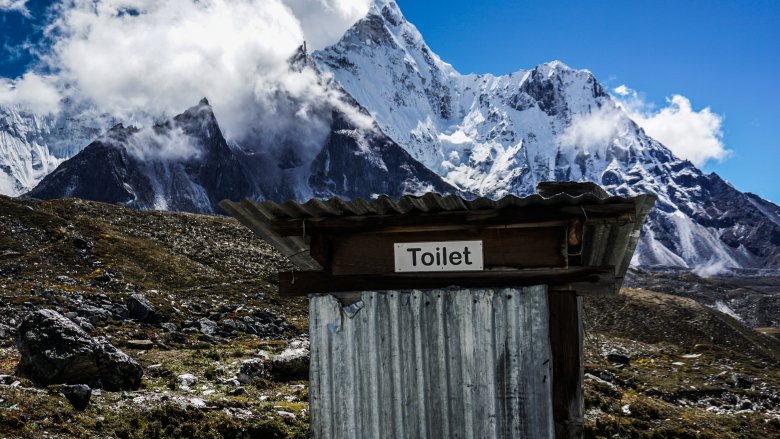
x: 432, y: 364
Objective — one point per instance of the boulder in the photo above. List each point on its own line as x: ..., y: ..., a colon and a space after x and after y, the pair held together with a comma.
x: 6, y: 331
x: 206, y: 326
x: 293, y: 362
x: 186, y: 380
x: 78, y: 395
x: 251, y: 369
x: 54, y: 350
x: 138, y: 308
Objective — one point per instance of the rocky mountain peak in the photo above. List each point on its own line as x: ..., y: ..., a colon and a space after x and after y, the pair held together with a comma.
x: 498, y: 135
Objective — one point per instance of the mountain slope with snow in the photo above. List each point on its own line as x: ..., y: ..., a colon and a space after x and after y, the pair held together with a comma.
x: 32, y: 145
x: 186, y: 164
x: 497, y: 135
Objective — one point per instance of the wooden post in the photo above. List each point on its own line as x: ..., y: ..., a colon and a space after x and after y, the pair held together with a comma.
x: 566, y: 336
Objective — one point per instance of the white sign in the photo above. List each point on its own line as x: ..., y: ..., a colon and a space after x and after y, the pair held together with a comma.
x: 438, y: 256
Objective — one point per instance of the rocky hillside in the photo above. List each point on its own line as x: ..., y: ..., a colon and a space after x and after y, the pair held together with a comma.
x: 192, y: 299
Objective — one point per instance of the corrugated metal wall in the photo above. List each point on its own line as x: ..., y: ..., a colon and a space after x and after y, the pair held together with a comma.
x: 432, y: 364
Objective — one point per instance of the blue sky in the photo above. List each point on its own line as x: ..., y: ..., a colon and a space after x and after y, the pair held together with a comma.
x: 724, y: 55
x: 720, y: 54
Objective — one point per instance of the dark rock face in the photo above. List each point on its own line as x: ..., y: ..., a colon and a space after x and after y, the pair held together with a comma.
x: 55, y: 350
x: 115, y: 180
x: 345, y: 167
x: 107, y: 171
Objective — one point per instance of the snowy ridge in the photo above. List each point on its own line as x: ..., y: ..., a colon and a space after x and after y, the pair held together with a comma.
x: 32, y: 146
x: 498, y: 135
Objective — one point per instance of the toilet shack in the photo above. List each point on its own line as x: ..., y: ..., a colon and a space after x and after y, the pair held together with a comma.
x: 440, y: 317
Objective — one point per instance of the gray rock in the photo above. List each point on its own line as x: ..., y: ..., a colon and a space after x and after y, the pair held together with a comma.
x: 250, y: 370
x: 95, y: 314
x: 6, y: 332
x: 741, y: 381
x: 229, y: 325
x: 83, y: 323
x: 618, y: 358
x: 78, y: 395
x: 140, y: 344
x: 138, y: 308
x: 206, y: 326
x: 186, y: 380
x: 293, y: 362
x: 54, y: 350
x: 170, y: 327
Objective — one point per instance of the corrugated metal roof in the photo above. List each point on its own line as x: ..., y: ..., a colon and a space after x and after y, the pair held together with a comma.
x: 607, y: 244
x: 427, y: 364
x: 428, y: 203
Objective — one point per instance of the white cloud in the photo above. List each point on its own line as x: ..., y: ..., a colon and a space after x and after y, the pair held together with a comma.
x: 690, y: 134
x: 31, y: 92
x: 325, y: 21
x: 593, y: 130
x: 622, y: 90
x: 15, y: 5
x: 141, y: 60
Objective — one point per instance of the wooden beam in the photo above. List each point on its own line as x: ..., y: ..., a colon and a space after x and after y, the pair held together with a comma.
x: 373, y: 253
x: 584, y: 279
x: 618, y: 212
x: 566, y: 334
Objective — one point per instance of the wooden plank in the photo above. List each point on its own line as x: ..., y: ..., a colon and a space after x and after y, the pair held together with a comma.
x: 372, y: 253
x: 295, y: 249
x: 618, y: 212
x: 302, y: 283
x: 566, y: 332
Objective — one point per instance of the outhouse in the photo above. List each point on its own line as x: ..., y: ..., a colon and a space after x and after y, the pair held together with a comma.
x: 442, y: 317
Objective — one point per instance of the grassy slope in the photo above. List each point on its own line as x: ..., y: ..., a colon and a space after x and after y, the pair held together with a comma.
x: 681, y: 381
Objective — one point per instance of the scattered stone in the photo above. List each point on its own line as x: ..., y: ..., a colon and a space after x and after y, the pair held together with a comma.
x: 144, y: 345
x: 293, y: 362
x: 238, y: 391
x: 54, y: 350
x: 286, y: 415
x: 6, y: 331
x: 233, y: 382
x: 250, y: 370
x: 229, y: 326
x: 186, y: 380
x: 82, y: 244
x: 170, y: 327
x: 78, y: 395
x: 138, y: 308
x: 197, y: 403
x: 741, y: 381
x: 105, y: 278
x: 618, y: 358
x: 206, y: 326
x: 95, y: 314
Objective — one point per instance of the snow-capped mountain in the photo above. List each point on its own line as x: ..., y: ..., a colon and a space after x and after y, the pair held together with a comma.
x: 429, y: 128
x: 32, y: 146
x: 497, y: 135
x: 186, y: 164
